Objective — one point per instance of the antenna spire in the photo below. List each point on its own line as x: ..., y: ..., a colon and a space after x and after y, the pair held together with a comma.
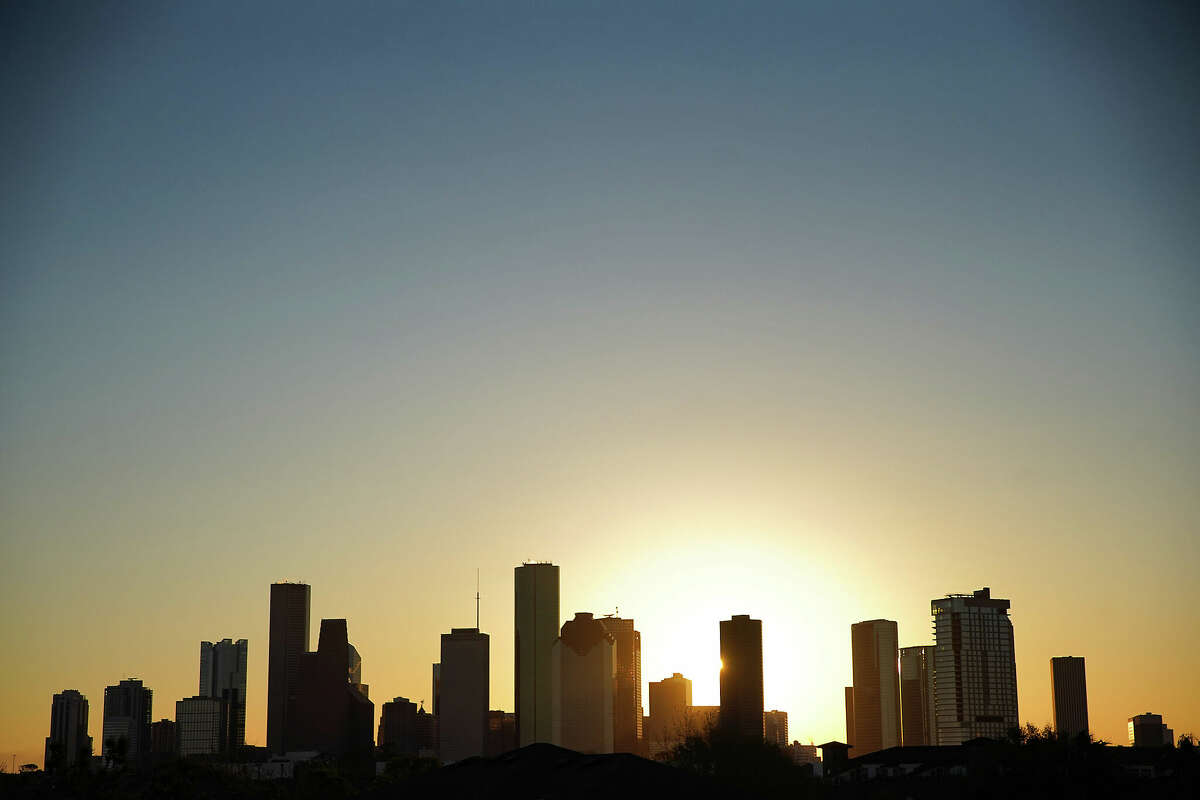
x: 477, y: 598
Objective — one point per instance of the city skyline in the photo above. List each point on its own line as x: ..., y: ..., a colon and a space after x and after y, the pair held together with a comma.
x: 812, y: 312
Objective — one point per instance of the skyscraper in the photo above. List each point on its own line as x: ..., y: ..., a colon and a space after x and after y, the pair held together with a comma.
x: 775, y: 728
x: 127, y: 709
x: 975, y: 668
x: 876, y: 686
x: 288, y: 642
x: 1068, y: 694
x: 670, y: 713
x: 463, y: 704
x: 627, y: 694
x: 1148, y: 730
x: 582, y: 673
x: 916, y: 696
x: 850, y: 737
x: 68, y: 743
x: 202, y: 725
x: 329, y: 714
x: 223, y: 675
x: 398, y: 728
x: 742, y: 676
x: 536, y: 622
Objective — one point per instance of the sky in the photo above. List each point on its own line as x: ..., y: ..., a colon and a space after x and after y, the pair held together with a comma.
x: 811, y: 311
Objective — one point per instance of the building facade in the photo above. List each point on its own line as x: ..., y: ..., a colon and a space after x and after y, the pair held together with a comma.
x: 463, y: 701
x: 163, y: 738
x: 223, y: 675
x: 582, y: 673
x: 849, y: 694
x: 289, y: 639
x: 328, y: 714
x: 627, y: 693
x: 126, y: 733
x: 975, y: 668
x: 876, y: 685
x: 1148, y: 730
x: 670, y: 709
x: 917, y: 727
x: 1068, y: 695
x: 68, y: 743
x: 201, y: 726
x: 775, y: 728
x: 501, y: 733
x: 535, y: 620
x: 742, y: 677
x: 398, y: 728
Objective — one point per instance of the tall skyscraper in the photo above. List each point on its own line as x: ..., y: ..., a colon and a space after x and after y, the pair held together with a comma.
x: 876, y: 686
x: 582, y: 679
x: 775, y: 728
x: 288, y: 642
x: 670, y: 713
x: 127, y: 709
x: 916, y: 696
x: 463, y: 704
x: 742, y: 676
x: 850, y: 737
x: 536, y: 622
x: 68, y: 743
x: 202, y: 725
x: 1068, y: 694
x: 975, y: 668
x: 328, y: 713
x: 223, y: 675
x: 627, y: 695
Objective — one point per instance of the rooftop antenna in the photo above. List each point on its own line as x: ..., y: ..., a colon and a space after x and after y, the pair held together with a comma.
x: 477, y: 598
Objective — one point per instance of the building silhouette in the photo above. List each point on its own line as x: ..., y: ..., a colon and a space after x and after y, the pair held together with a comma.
x: 850, y: 737
x: 627, y: 693
x: 975, y: 668
x: 398, y: 728
x: 223, y: 675
x: 501, y: 733
x: 437, y: 689
x: 463, y: 704
x: 427, y: 733
x: 201, y: 726
x: 328, y: 714
x: 742, y: 677
x: 917, y: 726
x: 876, y: 686
x: 163, y: 739
x: 670, y: 714
x: 775, y: 728
x: 126, y: 732
x: 583, y: 672
x: 1148, y: 730
x: 1068, y: 694
x: 289, y: 639
x: 68, y: 743
x: 535, y: 611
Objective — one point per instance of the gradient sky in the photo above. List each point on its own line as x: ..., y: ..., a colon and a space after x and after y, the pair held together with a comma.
x: 809, y: 311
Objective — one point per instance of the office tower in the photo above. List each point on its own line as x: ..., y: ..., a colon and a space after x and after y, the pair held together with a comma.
x: 463, y: 704
x: 536, y: 622
x: 876, y: 686
x: 775, y: 729
x: 627, y: 694
x: 1148, y: 730
x: 68, y: 743
x: 670, y: 709
x: 328, y: 713
x: 127, y: 709
x: 975, y: 668
x: 201, y: 726
x: 742, y: 677
x: 163, y: 739
x: 437, y: 688
x: 288, y: 641
x: 582, y: 673
x: 850, y: 737
x: 916, y: 696
x: 501, y: 733
x: 1068, y: 694
x: 223, y: 675
x: 398, y: 728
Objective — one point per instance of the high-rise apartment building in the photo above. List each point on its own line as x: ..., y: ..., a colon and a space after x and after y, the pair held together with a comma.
x: 288, y: 642
x: 463, y: 704
x: 742, y: 676
x: 329, y: 714
x: 582, y: 670
x: 127, y: 709
x: 223, y: 675
x: 202, y: 726
x: 1068, y: 694
x: 975, y: 668
x: 670, y: 714
x: 775, y: 728
x: 876, y: 686
x: 627, y: 694
x: 850, y: 737
x: 68, y: 743
x: 916, y: 696
x: 535, y: 612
